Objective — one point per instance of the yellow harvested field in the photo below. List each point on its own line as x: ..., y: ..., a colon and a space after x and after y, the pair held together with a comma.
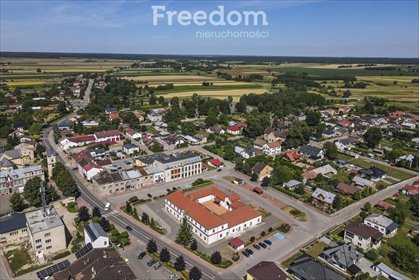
x: 171, y: 78
x: 198, y: 83
x: 222, y: 94
x: 26, y: 83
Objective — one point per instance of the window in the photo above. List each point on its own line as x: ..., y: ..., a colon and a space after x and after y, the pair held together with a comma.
x: 49, y: 247
x: 47, y: 234
x: 48, y: 241
x: 38, y: 241
x: 38, y: 247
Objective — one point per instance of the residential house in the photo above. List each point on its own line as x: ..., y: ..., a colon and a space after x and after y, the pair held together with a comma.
x: 410, y: 190
x: 292, y: 184
x: 292, y: 156
x: 133, y: 134
x: 346, y: 144
x: 89, y: 169
x: 100, y: 263
x: 216, y: 163
x: 362, y: 182
x: 155, y: 116
x: 305, y: 268
x: 202, y: 139
x: 405, y: 160
x: 325, y: 170
x: 13, y: 229
x: 216, y: 130
x: 329, y: 133
x: 342, y: 256
x: 114, y: 116
x: 346, y: 189
x: 373, y: 173
x: 66, y: 125
x: 95, y: 235
x: 212, y: 214
x: 130, y: 149
x: 110, y: 110
x: 90, y: 123
x: 173, y: 141
x: 266, y: 270
x: 234, y: 129
x: 363, y: 236
x: 21, y: 156
x: 139, y: 116
x: 323, y: 198
x: 116, y: 181
x: 273, y: 135
x: 385, y: 225
x: 272, y: 148
x: 389, y: 273
x: 246, y: 153
x: 110, y: 136
x: 311, y: 152
x: 262, y: 170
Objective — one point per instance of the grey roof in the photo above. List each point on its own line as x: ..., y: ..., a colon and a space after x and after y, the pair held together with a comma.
x: 310, y: 150
x: 165, y: 159
x: 66, y: 123
x: 292, y: 183
x: 95, y: 231
x: 13, y: 153
x: 258, y: 167
x: 130, y: 146
x: 39, y: 221
x: 7, y: 163
x: 12, y: 222
x: 306, y: 268
x: 392, y: 273
x: 21, y: 173
x: 328, y: 197
x: 382, y: 221
x: 343, y: 255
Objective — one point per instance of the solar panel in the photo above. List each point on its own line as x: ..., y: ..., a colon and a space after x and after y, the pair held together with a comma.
x: 49, y: 271
x: 83, y: 251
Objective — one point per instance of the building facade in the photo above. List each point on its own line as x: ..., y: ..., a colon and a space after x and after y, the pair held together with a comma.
x: 14, y: 180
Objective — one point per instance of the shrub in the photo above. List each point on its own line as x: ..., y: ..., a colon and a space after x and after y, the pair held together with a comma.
x: 284, y: 228
x: 133, y: 199
x: 114, y: 239
x: 114, y: 232
x: 270, y: 229
x: 263, y: 233
x: 124, y: 234
x: 252, y: 239
x: 124, y: 241
x: 216, y: 257
x: 235, y: 257
x: 77, y: 220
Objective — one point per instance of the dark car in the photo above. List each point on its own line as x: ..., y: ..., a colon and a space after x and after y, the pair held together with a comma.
x: 256, y: 246
x: 151, y: 262
x: 246, y: 254
x: 142, y: 255
x: 128, y: 228
x: 219, y: 170
x: 268, y: 242
x: 263, y: 245
x: 249, y: 251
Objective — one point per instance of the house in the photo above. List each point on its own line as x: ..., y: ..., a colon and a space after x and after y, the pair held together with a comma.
x: 272, y: 148
x: 108, y: 182
x: 373, y: 173
x: 305, y: 268
x: 325, y: 170
x: 133, y: 134
x: 346, y: 144
x: 389, y: 273
x: 130, y: 149
x: 22, y: 155
x: 346, y: 189
x: 383, y: 205
x: 323, y: 197
x: 342, y: 256
x: 236, y: 243
x: 216, y: 130
x: 100, y: 263
x: 246, y: 153
x: 110, y: 110
x: 259, y: 144
x: 13, y: 229
x: 292, y: 156
x: 95, y: 235
x: 266, y: 270
x: 262, y: 170
x: 154, y: 117
x: 46, y: 231
x: 216, y: 163
x: 110, y: 136
x: 173, y: 141
x: 405, y: 160
x: 90, y: 123
x: 311, y: 152
x: 191, y: 140
x: 66, y: 125
x: 89, y: 169
x: 410, y: 190
x: 139, y: 116
x: 234, y: 129
x: 212, y: 214
x: 363, y: 236
x: 385, y: 225
x: 14, y: 180
x: 330, y: 133
x: 114, y: 116
x: 291, y: 184
x: 200, y: 138
x: 273, y: 135
x: 359, y: 181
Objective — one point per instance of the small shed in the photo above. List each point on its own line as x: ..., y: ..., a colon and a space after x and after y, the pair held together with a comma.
x: 236, y: 243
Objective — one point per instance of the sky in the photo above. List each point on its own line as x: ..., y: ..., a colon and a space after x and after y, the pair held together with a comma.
x: 340, y: 28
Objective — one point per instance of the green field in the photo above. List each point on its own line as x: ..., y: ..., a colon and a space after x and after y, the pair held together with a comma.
x: 393, y: 172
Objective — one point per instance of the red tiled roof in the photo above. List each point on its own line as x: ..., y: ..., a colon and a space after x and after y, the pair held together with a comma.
x: 233, y: 128
x: 240, y: 215
x: 411, y: 189
x: 114, y: 116
x: 309, y: 175
x: 274, y: 144
x: 384, y: 205
x: 108, y: 133
x: 90, y: 166
x: 293, y: 156
x: 82, y: 138
x: 236, y: 242
x: 82, y: 155
x: 216, y: 162
x: 346, y: 189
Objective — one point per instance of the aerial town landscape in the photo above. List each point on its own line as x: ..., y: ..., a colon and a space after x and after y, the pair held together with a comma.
x: 116, y: 165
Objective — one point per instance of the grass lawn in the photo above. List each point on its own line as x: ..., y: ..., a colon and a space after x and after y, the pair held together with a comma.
x: 393, y: 172
x: 344, y: 157
x: 287, y: 263
x: 316, y: 249
x: 20, y: 261
x: 297, y: 214
x: 342, y: 176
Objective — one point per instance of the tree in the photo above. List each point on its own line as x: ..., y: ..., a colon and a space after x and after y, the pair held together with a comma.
x: 254, y: 177
x: 144, y: 218
x: 300, y: 189
x: 17, y: 202
x: 104, y: 223
x: 195, y: 273
x: 363, y: 214
x: 265, y: 182
x: 313, y: 118
x: 135, y: 213
x: 298, y: 134
x: 128, y: 207
x: 164, y: 255
x: 151, y: 246
x: 338, y: 202
x: 330, y: 150
x: 84, y: 213
x: 32, y: 193
x: 346, y: 94
x: 373, y: 137
x: 372, y: 254
x: 405, y: 257
x: 180, y: 263
x: 415, y: 239
x: 367, y: 206
x: 184, y: 235
x: 216, y: 257
x: 399, y: 213
x: 96, y: 212
x: 194, y: 245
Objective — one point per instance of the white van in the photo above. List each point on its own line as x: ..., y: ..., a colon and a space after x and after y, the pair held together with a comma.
x: 107, y: 206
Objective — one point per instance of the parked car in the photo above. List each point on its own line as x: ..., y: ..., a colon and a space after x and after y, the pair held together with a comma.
x: 256, y: 246
x: 128, y: 228
x: 157, y: 266
x: 171, y: 277
x: 268, y: 242
x: 263, y: 245
x: 258, y: 190
x: 151, y: 262
x: 142, y: 255
x: 249, y: 251
x: 246, y: 254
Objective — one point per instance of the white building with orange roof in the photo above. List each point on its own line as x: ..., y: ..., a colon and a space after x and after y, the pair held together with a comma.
x: 212, y: 214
